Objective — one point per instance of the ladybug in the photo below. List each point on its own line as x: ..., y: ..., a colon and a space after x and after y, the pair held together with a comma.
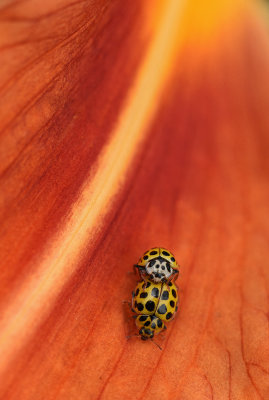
x: 159, y: 265
x: 154, y: 304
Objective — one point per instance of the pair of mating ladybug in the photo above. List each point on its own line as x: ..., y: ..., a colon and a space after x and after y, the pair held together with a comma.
x: 155, y: 298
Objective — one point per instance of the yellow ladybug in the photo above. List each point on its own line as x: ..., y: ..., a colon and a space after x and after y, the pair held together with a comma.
x: 159, y: 265
x: 154, y: 303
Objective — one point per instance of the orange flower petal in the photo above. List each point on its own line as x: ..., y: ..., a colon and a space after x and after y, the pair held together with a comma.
x: 121, y: 130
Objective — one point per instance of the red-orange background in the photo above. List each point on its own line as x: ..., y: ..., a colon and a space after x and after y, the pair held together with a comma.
x: 195, y: 182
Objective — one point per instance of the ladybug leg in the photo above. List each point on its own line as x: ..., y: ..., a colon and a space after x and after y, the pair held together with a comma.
x: 168, y: 281
x: 129, y: 304
x: 143, y: 277
x: 130, y: 336
x: 141, y: 272
x: 156, y: 344
x: 176, y: 275
x: 172, y: 277
x: 136, y: 269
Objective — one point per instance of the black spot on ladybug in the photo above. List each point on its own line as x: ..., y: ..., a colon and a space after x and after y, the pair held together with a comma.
x: 163, y: 267
x: 172, y: 303
x: 165, y: 253
x: 165, y: 295
x: 148, y: 332
x: 143, y: 295
x: 172, y: 259
x: 174, y: 293
x: 169, y: 315
x: 146, y: 257
x: 155, y: 292
x: 153, y: 325
x: 162, y: 309
x: 168, y: 268
x: 170, y: 284
x: 159, y: 323
x: 152, y: 253
x: 150, y: 305
x: 158, y: 266
x: 147, y: 323
x: 137, y: 291
x: 148, y: 284
x: 143, y: 318
x: 140, y: 306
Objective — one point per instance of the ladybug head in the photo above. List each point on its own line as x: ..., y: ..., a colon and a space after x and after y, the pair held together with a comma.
x: 159, y: 269
x: 146, y: 333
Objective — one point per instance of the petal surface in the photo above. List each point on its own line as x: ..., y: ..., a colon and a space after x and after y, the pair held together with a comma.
x: 124, y: 126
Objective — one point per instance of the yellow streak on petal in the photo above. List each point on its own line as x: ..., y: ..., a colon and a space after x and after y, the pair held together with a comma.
x: 36, y: 296
x: 205, y: 20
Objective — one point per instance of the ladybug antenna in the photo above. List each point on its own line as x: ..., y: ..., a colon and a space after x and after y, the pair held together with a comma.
x: 156, y: 344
